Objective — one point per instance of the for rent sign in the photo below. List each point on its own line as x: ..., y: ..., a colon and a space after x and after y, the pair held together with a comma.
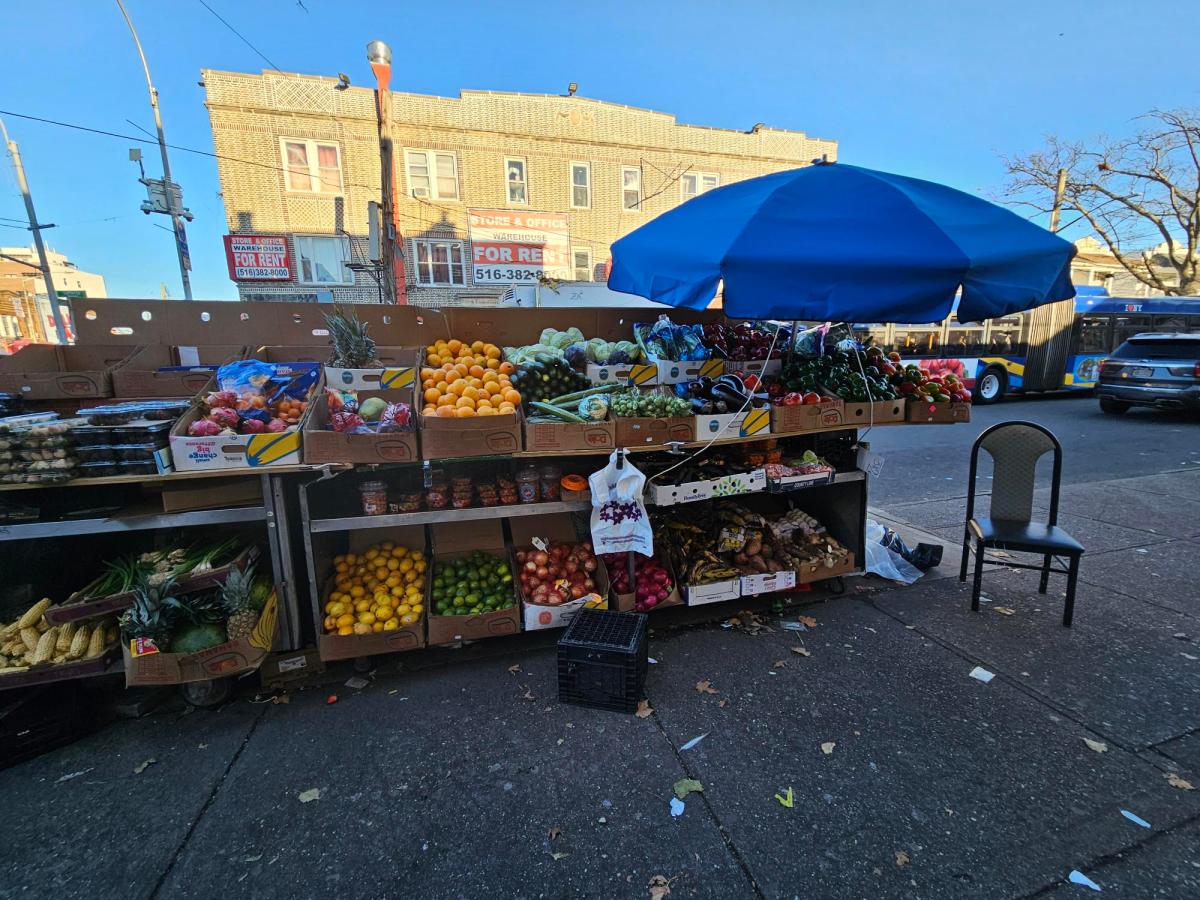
x: 511, y: 246
x: 258, y: 257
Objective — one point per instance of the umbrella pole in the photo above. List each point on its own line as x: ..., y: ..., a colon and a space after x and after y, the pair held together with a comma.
x: 792, y: 343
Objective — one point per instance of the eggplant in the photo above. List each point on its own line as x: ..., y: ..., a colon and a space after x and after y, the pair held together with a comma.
x: 734, y: 398
x: 701, y: 407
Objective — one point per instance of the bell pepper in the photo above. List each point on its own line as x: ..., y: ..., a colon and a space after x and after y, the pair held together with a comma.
x: 793, y: 399
x: 750, y: 381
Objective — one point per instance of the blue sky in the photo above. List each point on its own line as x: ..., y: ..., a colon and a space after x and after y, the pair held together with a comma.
x: 930, y: 88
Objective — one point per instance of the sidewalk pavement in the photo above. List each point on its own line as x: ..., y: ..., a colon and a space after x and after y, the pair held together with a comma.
x: 909, y: 778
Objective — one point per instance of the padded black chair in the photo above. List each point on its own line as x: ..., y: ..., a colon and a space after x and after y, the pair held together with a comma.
x: 1015, y: 448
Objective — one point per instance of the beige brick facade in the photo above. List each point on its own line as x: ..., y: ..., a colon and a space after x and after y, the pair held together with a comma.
x: 252, y: 115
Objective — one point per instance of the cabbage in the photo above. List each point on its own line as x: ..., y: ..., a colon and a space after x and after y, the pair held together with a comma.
x: 631, y: 350
x: 594, y: 407
x: 576, y: 355
x: 618, y: 357
x: 547, y: 336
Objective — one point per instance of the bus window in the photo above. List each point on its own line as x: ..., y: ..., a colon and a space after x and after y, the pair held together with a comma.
x: 965, y: 340
x: 1170, y: 323
x: 1093, y: 335
x: 1126, y: 326
x: 918, y: 340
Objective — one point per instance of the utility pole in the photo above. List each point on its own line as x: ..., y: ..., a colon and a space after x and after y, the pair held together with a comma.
x: 47, y: 275
x: 177, y: 226
x: 379, y: 55
x: 1059, y: 192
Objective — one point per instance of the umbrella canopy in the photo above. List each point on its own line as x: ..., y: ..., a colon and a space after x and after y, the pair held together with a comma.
x: 838, y: 242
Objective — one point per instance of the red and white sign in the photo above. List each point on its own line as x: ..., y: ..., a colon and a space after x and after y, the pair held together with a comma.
x: 259, y: 257
x: 511, y: 247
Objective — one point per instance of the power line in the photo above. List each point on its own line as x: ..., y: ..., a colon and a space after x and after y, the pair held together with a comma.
x: 239, y: 34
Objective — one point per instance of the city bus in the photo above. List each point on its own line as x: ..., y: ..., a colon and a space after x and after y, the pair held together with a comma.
x: 1057, y: 346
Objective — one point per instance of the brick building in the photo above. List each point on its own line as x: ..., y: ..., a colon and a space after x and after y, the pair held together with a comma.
x: 557, y: 177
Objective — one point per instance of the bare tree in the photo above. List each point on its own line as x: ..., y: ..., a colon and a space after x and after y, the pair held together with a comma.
x: 1135, y: 193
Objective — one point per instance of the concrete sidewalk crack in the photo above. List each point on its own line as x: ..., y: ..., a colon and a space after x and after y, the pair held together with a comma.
x: 212, y: 795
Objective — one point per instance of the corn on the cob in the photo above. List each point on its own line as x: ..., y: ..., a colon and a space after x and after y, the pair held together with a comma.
x: 45, y: 646
x: 29, y: 637
x: 42, y: 626
x: 12, y: 669
x: 10, y: 629
x: 34, y: 613
x: 65, y: 635
x: 58, y: 658
x: 79, y: 643
x: 96, y: 645
x: 111, y: 635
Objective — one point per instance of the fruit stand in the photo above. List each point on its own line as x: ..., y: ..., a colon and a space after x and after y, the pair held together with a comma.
x: 417, y: 485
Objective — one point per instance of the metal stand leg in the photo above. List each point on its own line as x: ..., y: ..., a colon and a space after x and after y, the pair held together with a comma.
x: 966, y: 554
x: 1072, y: 578
x: 1045, y: 573
x: 975, y: 588
x: 287, y: 633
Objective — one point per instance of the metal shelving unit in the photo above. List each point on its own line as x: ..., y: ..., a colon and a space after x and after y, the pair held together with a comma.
x: 131, y: 520
x: 429, y: 517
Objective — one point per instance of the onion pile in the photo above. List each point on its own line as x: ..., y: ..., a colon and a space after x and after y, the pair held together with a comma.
x: 652, y: 583
x: 563, y: 573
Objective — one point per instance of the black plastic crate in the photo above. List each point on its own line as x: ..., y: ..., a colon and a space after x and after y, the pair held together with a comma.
x: 40, y: 718
x: 602, y: 660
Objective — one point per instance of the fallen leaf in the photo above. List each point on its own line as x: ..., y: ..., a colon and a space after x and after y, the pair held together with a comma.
x: 1098, y: 746
x: 660, y: 886
x: 515, y: 669
x: 1182, y: 783
x: 71, y: 775
x: 357, y: 683
x: 310, y: 795
x: 827, y: 747
x: 807, y: 621
x: 644, y: 711
x: 705, y: 687
x: 204, y: 746
x: 1004, y: 610
x: 555, y: 833
x: 778, y: 664
x: 723, y: 704
x: 528, y: 695
x: 250, y: 859
x: 685, y: 786
x: 801, y: 651
x: 902, y: 858
x: 557, y: 856
x: 787, y: 801
x: 282, y: 698
x: 142, y: 767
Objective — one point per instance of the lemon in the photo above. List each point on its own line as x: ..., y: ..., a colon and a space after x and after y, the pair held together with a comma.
x: 362, y: 628
x: 362, y: 605
x: 391, y: 624
x: 417, y: 609
x: 419, y: 566
x: 357, y: 591
x: 345, y: 619
x: 408, y: 619
x: 345, y: 630
x: 377, y: 627
x: 351, y: 558
x: 372, y: 553
x: 397, y: 591
x: 393, y: 580
x: 384, y: 613
x: 399, y: 550
x: 413, y: 590
x: 386, y: 545
x: 335, y: 609
x: 366, y: 617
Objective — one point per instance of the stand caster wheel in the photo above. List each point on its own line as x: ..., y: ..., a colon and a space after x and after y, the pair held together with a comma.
x: 836, y: 585
x: 206, y: 694
x: 362, y: 665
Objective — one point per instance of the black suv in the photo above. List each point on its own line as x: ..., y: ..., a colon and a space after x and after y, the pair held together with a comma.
x: 1159, y: 370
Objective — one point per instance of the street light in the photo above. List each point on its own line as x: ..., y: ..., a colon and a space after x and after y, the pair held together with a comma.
x: 379, y: 54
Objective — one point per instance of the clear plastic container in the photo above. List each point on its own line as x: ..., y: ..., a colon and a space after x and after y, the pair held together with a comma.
x: 135, y: 452
x: 95, y: 453
x: 373, y: 495
x: 98, y: 469
x: 110, y: 414
x: 156, y: 433
x: 91, y: 435
x: 527, y: 485
x: 551, y: 478
x: 132, y: 467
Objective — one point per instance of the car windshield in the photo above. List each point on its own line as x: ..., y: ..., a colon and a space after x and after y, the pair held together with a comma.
x: 1135, y: 349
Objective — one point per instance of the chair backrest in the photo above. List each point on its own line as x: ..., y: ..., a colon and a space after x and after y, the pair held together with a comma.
x: 1015, y: 448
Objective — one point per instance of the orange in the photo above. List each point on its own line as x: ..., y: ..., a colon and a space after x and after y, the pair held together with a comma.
x: 445, y: 358
x: 427, y: 373
x: 464, y: 412
x: 446, y: 412
x: 455, y: 346
x: 493, y: 352
x: 446, y: 400
x: 465, y: 401
x: 493, y: 363
x: 457, y: 387
x: 492, y: 388
x: 485, y: 411
x: 462, y: 370
x: 432, y: 394
x: 476, y: 346
x: 477, y: 371
x: 489, y: 375
x: 507, y: 368
x: 470, y: 392
x: 429, y: 411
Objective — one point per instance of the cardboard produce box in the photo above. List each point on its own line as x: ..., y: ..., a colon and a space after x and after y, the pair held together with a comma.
x: 398, y: 371
x: 322, y: 445
x: 281, y: 670
x: 625, y: 602
x: 454, y: 541
x: 713, y: 592
x: 162, y: 371
x: 211, y: 493
x: 551, y: 436
x: 829, y: 413
x: 729, y: 425
x: 145, y: 664
x: 691, y: 491
x: 444, y: 438
x: 759, y: 367
x: 671, y: 371
x: 878, y: 413
x: 812, y: 572
x: 926, y: 412
x: 44, y: 372
x: 556, y: 527
x: 636, y: 374
x: 767, y: 582
x: 638, y: 431
x: 354, y: 646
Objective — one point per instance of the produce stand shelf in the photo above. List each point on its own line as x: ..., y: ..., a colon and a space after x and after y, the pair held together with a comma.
x: 131, y: 520
x: 356, y: 523
x: 168, y: 478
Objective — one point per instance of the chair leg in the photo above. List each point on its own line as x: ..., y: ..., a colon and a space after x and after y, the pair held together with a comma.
x: 966, y: 554
x: 975, y: 588
x: 1045, y: 573
x: 1072, y: 578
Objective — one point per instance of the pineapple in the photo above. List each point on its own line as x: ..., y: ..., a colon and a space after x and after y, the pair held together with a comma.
x: 237, y: 595
x: 352, y: 347
x: 153, y: 612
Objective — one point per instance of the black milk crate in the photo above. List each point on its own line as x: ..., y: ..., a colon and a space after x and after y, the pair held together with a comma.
x: 602, y: 660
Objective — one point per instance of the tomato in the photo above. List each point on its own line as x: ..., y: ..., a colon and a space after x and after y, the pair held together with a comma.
x: 812, y: 398
x: 792, y: 399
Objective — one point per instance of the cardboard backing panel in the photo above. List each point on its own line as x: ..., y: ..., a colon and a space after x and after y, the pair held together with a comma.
x: 828, y: 414
x: 140, y: 376
x: 44, y: 372
x: 130, y: 322
x: 638, y: 431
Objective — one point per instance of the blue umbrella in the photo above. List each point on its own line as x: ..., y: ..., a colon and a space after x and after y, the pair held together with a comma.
x: 838, y: 242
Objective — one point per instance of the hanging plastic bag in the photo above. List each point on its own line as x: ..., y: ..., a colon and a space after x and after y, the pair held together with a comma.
x: 619, y: 521
x: 885, y: 562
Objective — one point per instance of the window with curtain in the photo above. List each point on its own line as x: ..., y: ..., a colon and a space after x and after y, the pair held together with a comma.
x: 514, y: 178
x: 692, y: 184
x: 631, y: 187
x: 581, y: 185
x: 440, y: 263
x: 313, y: 167
x: 432, y: 174
x: 323, y: 259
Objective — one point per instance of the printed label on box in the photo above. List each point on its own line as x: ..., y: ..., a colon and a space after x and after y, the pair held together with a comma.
x: 716, y: 592
x: 635, y: 374
x: 767, y: 583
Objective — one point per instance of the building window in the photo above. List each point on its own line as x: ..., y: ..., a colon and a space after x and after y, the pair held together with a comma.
x: 439, y: 263
x: 582, y: 257
x: 514, y: 177
x: 432, y: 174
x: 631, y: 187
x: 581, y: 185
x: 323, y: 259
x: 311, y: 166
x: 692, y: 184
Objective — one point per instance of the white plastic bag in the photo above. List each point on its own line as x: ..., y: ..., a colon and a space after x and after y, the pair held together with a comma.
x: 619, y: 522
x: 884, y: 561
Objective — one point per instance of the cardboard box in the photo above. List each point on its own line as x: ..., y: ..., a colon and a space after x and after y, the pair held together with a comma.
x: 322, y: 445
x: 767, y: 583
x: 691, y: 491
x: 926, y: 412
x: 716, y: 592
x: 151, y: 666
x: 552, y: 436
x: 476, y: 436
x: 625, y: 602
x: 787, y: 483
x: 876, y: 413
x: 284, y: 355
x: 829, y: 413
x: 399, y: 371
x: 453, y: 541
x: 280, y: 670
x: 45, y: 372
x: 211, y: 493
x: 240, y: 451
x: 729, y: 425
x: 812, y: 572
x: 638, y: 431
x: 162, y: 371
x: 671, y: 371
x: 638, y: 374
x: 551, y: 528
x: 759, y: 367
x: 44, y: 674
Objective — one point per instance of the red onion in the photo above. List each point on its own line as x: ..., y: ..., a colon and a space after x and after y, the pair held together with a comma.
x: 542, y: 572
x: 541, y: 558
x: 530, y: 566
